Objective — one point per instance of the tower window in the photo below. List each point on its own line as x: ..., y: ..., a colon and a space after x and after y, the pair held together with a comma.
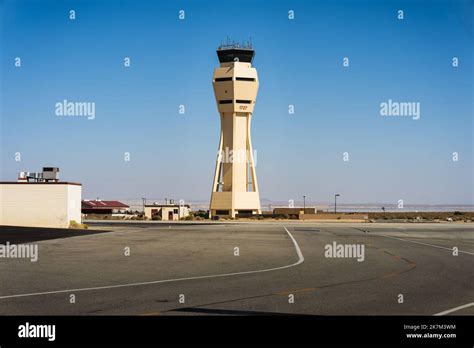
x: 241, y: 101
x: 220, y: 79
x: 225, y: 101
x: 245, y: 79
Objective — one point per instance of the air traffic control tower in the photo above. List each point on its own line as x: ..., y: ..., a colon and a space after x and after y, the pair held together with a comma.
x: 235, y: 189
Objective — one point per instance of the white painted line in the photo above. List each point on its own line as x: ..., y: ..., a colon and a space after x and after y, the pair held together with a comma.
x: 454, y: 309
x: 297, y: 247
x: 298, y: 252
x: 431, y: 245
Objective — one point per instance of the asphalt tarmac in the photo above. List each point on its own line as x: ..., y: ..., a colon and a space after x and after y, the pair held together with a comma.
x: 242, y: 269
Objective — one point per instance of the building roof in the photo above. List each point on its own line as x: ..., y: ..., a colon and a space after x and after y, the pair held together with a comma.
x: 39, y: 183
x: 99, y: 204
x: 166, y: 205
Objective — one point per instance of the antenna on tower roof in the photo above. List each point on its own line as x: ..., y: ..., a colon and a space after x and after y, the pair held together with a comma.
x: 233, y: 44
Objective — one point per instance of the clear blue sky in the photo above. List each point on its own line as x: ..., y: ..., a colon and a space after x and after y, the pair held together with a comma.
x: 299, y: 62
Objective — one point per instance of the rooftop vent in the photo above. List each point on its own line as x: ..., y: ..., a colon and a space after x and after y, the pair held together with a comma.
x: 49, y: 174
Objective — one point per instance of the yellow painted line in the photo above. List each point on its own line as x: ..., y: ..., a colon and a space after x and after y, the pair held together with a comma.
x: 296, y: 291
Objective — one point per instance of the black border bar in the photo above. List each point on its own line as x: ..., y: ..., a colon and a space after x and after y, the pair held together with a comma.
x: 278, y: 329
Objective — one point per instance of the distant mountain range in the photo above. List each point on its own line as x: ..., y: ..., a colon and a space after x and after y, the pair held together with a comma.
x: 268, y: 205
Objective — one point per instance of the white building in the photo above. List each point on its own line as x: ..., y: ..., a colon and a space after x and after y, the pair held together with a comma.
x: 40, y: 204
x: 167, y: 212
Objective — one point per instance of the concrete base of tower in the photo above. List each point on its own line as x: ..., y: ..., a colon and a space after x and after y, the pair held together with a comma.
x: 230, y: 204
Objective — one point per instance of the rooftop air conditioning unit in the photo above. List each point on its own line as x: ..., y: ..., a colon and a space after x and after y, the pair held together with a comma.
x: 22, y: 177
x: 50, y: 173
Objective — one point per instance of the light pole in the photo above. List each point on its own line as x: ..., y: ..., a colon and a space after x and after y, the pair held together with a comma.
x: 335, y: 202
x: 304, y: 204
